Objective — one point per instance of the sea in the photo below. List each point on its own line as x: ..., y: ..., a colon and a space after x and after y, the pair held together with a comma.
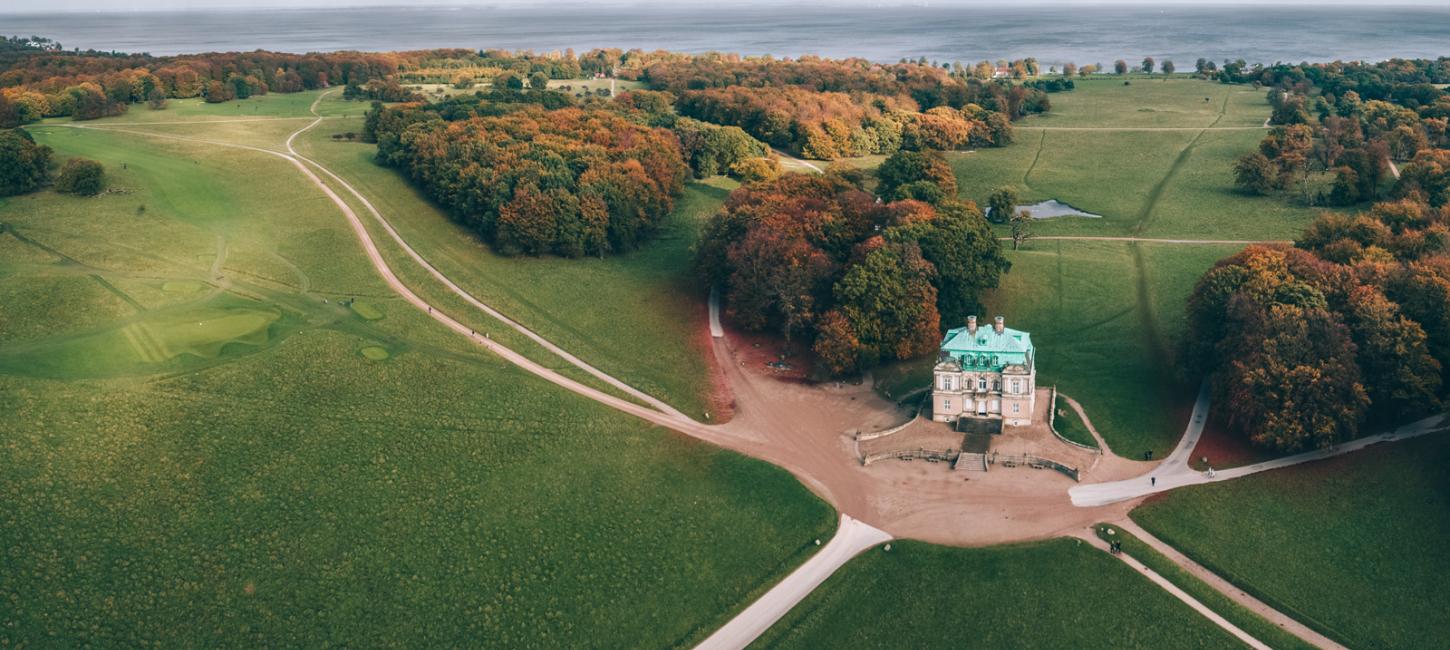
x: 967, y: 33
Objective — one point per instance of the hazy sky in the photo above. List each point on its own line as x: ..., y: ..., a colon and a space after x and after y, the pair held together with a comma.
x: 28, y: 6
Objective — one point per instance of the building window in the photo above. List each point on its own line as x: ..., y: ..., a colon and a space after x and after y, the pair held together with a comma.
x: 1016, y: 385
x: 1016, y: 408
x: 946, y: 405
x: 997, y: 385
x: 982, y: 384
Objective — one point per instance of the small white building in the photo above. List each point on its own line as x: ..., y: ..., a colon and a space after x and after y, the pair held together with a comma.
x: 985, y: 373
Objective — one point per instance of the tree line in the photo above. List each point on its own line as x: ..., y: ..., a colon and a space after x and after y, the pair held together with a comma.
x: 528, y: 179
x: 860, y: 278
x: 38, y: 79
x: 1305, y: 344
x: 1351, y: 120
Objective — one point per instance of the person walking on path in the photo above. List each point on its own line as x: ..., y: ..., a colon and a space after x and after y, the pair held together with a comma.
x: 1153, y: 480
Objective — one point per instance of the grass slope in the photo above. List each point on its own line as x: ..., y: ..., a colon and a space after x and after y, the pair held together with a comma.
x: 1352, y: 546
x: 214, y: 451
x: 1095, y: 335
x: 636, y: 316
x: 1059, y: 593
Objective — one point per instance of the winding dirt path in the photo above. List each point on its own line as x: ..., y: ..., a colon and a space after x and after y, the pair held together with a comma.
x: 1082, y: 415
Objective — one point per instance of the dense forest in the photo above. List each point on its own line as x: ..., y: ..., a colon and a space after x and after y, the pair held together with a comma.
x: 1305, y: 344
x: 859, y: 278
x: 826, y: 109
x: 570, y: 181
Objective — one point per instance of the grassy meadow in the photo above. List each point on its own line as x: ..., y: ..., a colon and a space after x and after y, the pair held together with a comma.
x: 637, y: 316
x: 1352, y: 546
x: 1246, y: 620
x: 1058, y: 593
x: 206, y: 445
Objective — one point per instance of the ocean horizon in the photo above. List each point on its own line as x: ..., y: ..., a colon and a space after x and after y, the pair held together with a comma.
x: 1052, y: 34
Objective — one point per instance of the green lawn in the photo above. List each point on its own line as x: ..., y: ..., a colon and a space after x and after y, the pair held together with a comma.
x: 1157, y: 103
x: 1102, y: 336
x: 1059, y: 593
x: 1353, y: 546
x: 193, y: 460
x: 1152, y: 158
x: 1070, y: 426
x: 1245, y: 620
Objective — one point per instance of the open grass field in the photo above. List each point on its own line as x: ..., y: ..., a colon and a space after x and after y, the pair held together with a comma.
x: 1158, y: 102
x: 1107, y: 319
x: 1059, y: 593
x: 637, y: 316
x: 1152, y: 158
x: 1353, y: 546
x: 1245, y: 620
x: 202, y: 446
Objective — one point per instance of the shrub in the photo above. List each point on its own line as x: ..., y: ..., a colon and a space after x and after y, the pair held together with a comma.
x: 82, y: 177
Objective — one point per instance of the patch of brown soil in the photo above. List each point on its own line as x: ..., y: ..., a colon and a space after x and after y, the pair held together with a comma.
x: 1225, y: 449
x: 720, y: 399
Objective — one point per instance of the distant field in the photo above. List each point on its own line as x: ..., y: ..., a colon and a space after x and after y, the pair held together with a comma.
x: 1353, y: 546
x: 1155, y: 102
x: 204, y: 446
x: 1140, y: 156
x: 1060, y: 593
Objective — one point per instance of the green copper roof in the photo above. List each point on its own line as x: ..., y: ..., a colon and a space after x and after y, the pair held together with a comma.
x: 986, y: 349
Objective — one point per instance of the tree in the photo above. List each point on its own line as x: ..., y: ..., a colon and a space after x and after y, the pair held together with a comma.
x: 1297, y: 385
x: 82, y: 177
x: 1069, y: 69
x: 1147, y: 65
x: 508, y: 81
x: 539, y: 81
x: 890, y: 303
x: 1001, y: 205
x: 905, y: 168
x: 1021, y: 228
x: 24, y: 165
x: 752, y: 170
x: 1120, y: 67
x: 1168, y: 67
x: 1253, y: 173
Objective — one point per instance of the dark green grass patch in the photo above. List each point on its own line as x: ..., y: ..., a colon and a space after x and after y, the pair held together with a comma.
x: 1353, y: 546
x: 1059, y: 593
x: 1070, y: 426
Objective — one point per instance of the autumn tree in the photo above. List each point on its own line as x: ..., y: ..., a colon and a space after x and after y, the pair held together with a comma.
x: 1147, y: 66
x: 912, y: 174
x: 1120, y: 67
x: 1168, y: 67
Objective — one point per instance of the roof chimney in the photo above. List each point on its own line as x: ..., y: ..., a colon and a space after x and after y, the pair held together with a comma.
x: 999, y: 325
x: 972, y: 325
